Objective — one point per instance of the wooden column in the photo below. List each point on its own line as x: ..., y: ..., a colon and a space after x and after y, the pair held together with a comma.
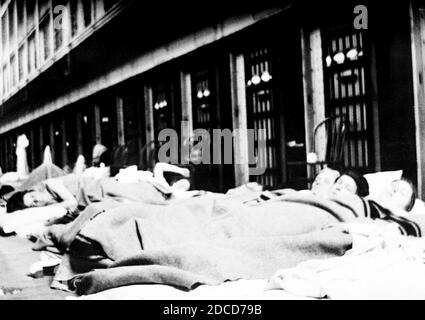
x: 140, y: 127
x: 80, y: 146
x: 120, y: 121
x: 314, y: 92
x: 32, y: 150
x: 149, y: 125
x: 149, y: 122
x: 97, y: 125
x: 65, y: 159
x: 417, y: 17
x: 375, y: 107
x: 187, y: 116
x: 8, y: 155
x: 41, y: 139
x: 239, y: 115
x: 6, y: 152
x: 52, y: 140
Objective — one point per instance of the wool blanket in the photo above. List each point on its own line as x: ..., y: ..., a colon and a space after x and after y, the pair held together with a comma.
x: 206, y: 240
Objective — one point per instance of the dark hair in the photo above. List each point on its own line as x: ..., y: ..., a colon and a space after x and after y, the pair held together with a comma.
x: 6, y: 189
x: 361, y: 182
x: 16, y: 202
x: 104, y: 158
x: 412, y: 199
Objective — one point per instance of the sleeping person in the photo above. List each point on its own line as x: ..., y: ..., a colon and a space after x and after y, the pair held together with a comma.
x: 50, y: 192
x: 400, y: 195
x: 393, y: 204
x: 324, y: 181
x: 328, y: 183
x: 153, y: 236
x: 349, y: 182
x: 320, y: 187
x: 75, y: 191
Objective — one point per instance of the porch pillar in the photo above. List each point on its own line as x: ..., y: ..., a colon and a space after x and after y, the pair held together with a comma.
x: 32, y: 149
x: 52, y: 140
x: 42, y: 143
x: 120, y: 121
x: 186, y: 98
x: 239, y: 116
x: 149, y: 125
x: 417, y: 18
x: 80, y: 147
x: 314, y: 92
x: 97, y: 124
x: 65, y: 159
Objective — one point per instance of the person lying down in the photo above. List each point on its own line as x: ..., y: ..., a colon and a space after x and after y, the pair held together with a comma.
x: 206, y: 241
x: 328, y: 183
x: 399, y: 195
x: 77, y: 192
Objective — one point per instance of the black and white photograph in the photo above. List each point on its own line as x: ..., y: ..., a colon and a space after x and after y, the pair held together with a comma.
x: 212, y: 151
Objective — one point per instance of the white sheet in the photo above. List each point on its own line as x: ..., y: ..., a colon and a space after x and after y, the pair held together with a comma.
x: 236, y: 290
x: 24, y: 221
x: 386, y: 269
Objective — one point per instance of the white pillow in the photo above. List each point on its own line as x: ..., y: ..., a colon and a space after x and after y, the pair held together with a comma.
x: 381, y: 180
x: 418, y: 208
x: 9, y: 223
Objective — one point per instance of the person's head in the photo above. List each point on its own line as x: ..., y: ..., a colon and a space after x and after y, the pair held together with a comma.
x: 16, y: 202
x: 105, y: 158
x: 6, y: 189
x: 324, y: 181
x: 29, y: 199
x: 350, y: 182
x: 100, y: 154
x: 400, y: 194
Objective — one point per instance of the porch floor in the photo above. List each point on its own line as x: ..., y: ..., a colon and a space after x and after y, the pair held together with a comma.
x: 16, y: 258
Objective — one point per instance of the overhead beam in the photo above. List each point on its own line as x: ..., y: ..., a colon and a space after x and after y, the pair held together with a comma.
x: 145, y: 62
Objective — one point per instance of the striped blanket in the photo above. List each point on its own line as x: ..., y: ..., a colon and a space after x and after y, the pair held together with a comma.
x: 352, y: 207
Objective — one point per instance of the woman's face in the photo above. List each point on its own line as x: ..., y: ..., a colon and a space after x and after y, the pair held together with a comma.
x: 397, y: 195
x: 323, y: 183
x: 345, y: 185
x: 35, y: 199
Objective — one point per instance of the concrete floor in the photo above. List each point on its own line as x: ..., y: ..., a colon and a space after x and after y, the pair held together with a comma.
x: 16, y: 258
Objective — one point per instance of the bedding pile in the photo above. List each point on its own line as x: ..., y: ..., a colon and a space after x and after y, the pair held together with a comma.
x: 206, y: 240
x: 378, y: 267
x: 129, y: 234
x: 106, y: 190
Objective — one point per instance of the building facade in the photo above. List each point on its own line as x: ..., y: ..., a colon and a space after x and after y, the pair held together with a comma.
x: 77, y: 73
